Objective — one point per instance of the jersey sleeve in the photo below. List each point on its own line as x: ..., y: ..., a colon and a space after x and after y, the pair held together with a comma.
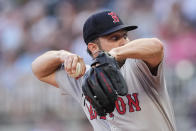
x: 139, y: 69
x: 145, y: 69
x: 69, y: 85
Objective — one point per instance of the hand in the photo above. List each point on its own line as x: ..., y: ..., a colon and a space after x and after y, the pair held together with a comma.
x: 113, y: 52
x: 70, y: 62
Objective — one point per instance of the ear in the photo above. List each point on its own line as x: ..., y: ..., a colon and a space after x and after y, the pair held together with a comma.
x: 93, y: 47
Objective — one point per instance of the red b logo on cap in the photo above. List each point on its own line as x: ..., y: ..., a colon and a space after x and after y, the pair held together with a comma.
x: 114, y: 17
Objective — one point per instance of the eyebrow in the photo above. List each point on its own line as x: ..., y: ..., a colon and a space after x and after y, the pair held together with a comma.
x: 116, y: 33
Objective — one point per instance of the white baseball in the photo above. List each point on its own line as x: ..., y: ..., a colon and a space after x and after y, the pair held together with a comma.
x: 78, y: 71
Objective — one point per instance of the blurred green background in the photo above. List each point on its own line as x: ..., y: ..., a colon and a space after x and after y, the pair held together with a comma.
x: 29, y: 28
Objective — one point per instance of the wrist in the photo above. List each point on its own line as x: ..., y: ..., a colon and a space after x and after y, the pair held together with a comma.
x: 115, y: 53
x: 61, y: 55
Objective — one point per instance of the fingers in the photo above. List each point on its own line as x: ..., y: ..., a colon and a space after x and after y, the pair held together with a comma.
x: 70, y: 63
x: 83, y: 68
x: 74, y: 64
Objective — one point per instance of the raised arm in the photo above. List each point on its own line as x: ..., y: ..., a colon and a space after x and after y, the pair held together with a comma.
x: 150, y: 50
x: 45, y: 66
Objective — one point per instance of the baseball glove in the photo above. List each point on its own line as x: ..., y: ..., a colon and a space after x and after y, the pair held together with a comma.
x: 103, y: 83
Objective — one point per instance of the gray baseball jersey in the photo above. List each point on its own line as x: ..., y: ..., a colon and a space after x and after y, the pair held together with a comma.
x: 146, y: 107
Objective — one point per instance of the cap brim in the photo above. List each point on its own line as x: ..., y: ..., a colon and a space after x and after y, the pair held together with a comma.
x: 117, y: 28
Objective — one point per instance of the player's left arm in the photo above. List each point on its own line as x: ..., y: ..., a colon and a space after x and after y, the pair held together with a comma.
x: 150, y: 50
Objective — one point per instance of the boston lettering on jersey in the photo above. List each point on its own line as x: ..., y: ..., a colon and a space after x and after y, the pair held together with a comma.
x: 133, y: 105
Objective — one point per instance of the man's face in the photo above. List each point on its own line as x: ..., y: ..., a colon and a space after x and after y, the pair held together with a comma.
x: 113, y: 40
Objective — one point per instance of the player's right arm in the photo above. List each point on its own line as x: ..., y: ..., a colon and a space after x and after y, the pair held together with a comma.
x: 45, y: 66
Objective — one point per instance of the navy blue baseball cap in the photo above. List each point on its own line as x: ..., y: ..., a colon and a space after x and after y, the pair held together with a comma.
x: 103, y: 23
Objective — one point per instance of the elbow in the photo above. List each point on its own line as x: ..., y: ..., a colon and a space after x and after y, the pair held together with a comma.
x: 34, y: 69
x: 158, y: 45
x: 157, y: 52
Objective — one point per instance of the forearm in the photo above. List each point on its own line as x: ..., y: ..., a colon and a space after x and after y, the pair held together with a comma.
x: 149, y: 50
x: 47, y: 63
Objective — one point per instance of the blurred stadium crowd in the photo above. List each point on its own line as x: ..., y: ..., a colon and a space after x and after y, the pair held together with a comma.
x: 29, y: 28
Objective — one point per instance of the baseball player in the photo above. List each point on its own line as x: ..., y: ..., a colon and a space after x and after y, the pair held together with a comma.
x: 146, y: 107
